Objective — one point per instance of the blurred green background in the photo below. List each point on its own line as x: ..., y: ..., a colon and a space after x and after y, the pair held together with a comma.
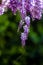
x: 11, y: 50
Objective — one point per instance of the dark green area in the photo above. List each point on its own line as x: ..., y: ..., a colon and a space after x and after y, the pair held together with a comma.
x: 11, y: 50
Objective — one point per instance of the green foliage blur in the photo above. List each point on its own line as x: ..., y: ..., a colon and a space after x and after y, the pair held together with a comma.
x: 11, y: 50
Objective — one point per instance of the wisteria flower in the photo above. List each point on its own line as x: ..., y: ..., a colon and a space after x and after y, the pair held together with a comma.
x: 23, y: 38
x: 3, y: 5
x: 32, y: 7
x: 27, y: 20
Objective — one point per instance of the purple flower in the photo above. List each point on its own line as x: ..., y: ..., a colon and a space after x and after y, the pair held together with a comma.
x: 13, y: 5
x: 21, y: 8
x: 27, y: 20
x: 23, y: 38
x: 26, y: 29
x: 33, y: 6
x: 20, y: 25
x: 3, y: 6
x: 1, y: 10
x: 35, y: 9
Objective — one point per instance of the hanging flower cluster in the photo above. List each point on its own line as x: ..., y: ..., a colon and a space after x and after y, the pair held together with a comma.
x: 3, y: 5
x: 33, y: 7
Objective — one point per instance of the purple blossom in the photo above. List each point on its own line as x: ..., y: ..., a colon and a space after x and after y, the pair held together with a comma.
x: 1, y: 10
x: 3, y: 6
x: 20, y: 25
x: 13, y: 5
x: 35, y: 9
x: 26, y: 29
x: 21, y: 8
x: 33, y: 6
x: 27, y: 20
x: 23, y: 38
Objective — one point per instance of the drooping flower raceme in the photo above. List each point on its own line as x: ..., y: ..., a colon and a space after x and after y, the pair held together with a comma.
x: 13, y: 5
x: 3, y: 5
x: 36, y: 9
x: 26, y: 30
x: 33, y: 7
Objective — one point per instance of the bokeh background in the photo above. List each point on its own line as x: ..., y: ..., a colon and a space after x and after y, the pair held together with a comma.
x: 11, y: 50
